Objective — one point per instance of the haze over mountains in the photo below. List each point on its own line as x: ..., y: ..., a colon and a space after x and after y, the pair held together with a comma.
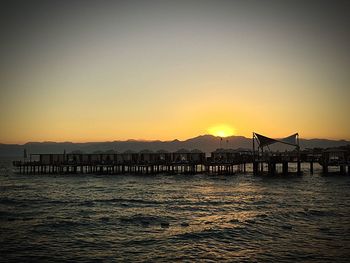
x: 206, y: 143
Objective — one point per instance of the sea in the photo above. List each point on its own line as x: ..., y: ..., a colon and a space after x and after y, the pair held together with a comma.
x: 174, y: 218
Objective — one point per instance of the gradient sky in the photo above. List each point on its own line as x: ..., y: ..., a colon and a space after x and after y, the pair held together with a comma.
x: 114, y: 70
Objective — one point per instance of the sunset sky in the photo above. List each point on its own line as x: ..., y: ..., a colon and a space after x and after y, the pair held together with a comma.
x: 113, y: 70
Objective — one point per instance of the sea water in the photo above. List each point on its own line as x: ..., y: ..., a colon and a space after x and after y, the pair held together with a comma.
x: 168, y: 218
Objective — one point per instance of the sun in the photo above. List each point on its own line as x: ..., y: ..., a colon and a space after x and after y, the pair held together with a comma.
x: 222, y: 130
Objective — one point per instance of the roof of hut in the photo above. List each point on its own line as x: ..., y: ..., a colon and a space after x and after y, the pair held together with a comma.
x: 334, y: 150
x: 162, y: 151
x: 129, y: 151
x: 111, y: 152
x: 146, y: 151
x: 219, y: 150
x: 183, y: 150
x: 222, y: 150
x: 242, y: 150
x: 76, y: 152
x: 196, y: 151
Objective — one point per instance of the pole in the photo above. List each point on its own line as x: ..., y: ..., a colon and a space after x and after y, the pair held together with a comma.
x: 298, y: 149
x: 253, y: 148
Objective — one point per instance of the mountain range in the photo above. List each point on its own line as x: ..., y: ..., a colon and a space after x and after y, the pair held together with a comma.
x: 206, y: 143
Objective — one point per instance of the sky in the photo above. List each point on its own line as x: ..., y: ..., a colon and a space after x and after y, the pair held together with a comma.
x: 115, y: 70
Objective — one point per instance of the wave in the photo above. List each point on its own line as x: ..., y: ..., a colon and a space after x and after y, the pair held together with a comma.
x: 146, y: 220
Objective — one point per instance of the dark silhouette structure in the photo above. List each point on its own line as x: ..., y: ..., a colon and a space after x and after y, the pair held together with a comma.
x: 221, y: 161
x: 262, y: 154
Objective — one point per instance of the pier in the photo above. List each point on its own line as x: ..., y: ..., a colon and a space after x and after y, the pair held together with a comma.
x: 259, y: 161
x: 144, y: 162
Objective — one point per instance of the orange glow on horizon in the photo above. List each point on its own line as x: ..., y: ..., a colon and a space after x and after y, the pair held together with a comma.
x: 222, y: 130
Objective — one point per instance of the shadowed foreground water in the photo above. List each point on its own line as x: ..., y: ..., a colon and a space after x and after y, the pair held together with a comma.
x: 179, y: 217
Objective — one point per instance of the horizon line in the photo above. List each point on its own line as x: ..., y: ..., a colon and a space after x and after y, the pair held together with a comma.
x: 158, y: 140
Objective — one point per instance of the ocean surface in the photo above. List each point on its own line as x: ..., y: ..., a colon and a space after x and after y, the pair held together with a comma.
x: 165, y: 218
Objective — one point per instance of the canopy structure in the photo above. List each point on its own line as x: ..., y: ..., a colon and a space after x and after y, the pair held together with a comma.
x: 263, y: 141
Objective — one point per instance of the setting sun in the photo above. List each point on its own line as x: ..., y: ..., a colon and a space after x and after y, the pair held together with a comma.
x: 221, y: 130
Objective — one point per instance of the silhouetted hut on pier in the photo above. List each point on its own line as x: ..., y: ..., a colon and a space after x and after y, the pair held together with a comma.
x: 197, y: 156
x: 130, y: 156
x: 335, y: 157
x: 181, y: 155
x: 86, y: 159
x: 118, y: 158
x: 46, y: 159
x: 73, y: 158
x: 95, y: 158
x: 163, y: 156
x: 221, y: 155
x: 262, y: 154
x: 107, y: 158
x: 146, y: 156
x: 58, y: 158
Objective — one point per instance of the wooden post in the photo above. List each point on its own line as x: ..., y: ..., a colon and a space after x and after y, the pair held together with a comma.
x: 325, y: 168
x: 312, y: 167
x: 285, y: 167
x: 325, y: 163
x: 271, y: 168
x: 299, y: 163
x: 255, y: 167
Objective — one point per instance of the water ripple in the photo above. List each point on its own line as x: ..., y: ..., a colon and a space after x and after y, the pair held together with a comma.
x: 239, y: 218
